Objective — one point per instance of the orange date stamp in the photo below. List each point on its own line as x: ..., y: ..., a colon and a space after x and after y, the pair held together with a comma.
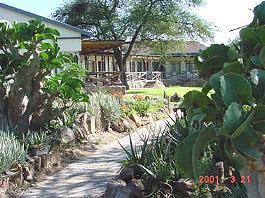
x: 211, y: 179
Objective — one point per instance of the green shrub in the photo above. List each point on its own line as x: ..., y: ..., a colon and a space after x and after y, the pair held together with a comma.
x: 157, y: 103
x: 141, y: 107
x: 107, y: 104
x: 68, y: 116
x: 233, y: 116
x: 36, y: 139
x: 10, y: 151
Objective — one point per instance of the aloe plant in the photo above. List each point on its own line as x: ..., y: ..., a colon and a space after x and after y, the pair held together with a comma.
x: 36, y: 139
x: 10, y: 151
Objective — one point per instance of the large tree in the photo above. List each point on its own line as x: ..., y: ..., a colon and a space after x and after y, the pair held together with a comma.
x: 135, y: 20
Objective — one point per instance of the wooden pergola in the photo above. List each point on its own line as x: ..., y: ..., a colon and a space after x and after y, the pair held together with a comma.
x: 102, y: 48
x: 95, y: 46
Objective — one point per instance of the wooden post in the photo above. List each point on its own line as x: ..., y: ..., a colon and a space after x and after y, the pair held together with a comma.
x: 113, y: 66
x: 108, y: 64
x: 96, y: 64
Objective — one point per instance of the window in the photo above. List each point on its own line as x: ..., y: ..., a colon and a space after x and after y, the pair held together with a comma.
x: 101, y: 66
x: 133, y: 67
x: 90, y: 65
x: 190, y: 66
x: 139, y: 66
x: 174, y: 67
x: 156, y: 66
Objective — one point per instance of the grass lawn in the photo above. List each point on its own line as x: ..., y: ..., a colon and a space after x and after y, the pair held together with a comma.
x: 160, y: 91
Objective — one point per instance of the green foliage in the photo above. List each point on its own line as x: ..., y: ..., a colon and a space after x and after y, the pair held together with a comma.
x: 107, y: 19
x: 233, y: 116
x: 10, y: 151
x: 153, y: 160
x: 107, y: 104
x: 141, y: 107
x: 29, y: 54
x: 68, y: 84
x: 138, y: 20
x: 36, y: 139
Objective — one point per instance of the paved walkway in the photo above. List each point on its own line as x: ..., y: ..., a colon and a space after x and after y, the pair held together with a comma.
x: 88, y: 177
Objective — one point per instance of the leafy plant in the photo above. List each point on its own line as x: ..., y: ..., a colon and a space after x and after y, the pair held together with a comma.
x: 108, y: 104
x: 233, y: 116
x: 153, y: 161
x: 10, y: 151
x: 126, y: 110
x: 29, y: 54
x: 36, y: 139
x: 141, y: 107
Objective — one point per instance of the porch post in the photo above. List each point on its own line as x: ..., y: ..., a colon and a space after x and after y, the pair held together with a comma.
x: 96, y: 64
x: 108, y: 64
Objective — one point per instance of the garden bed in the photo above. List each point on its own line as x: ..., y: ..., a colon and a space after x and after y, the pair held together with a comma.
x: 78, y: 133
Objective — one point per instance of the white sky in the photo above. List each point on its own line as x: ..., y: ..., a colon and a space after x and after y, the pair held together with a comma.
x: 224, y: 14
x: 228, y: 15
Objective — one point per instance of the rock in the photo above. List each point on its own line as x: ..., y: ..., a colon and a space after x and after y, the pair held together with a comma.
x: 45, y: 162
x: 118, y: 126
x: 92, y: 122
x: 145, y: 121
x: 121, y: 125
x: 27, y: 174
x: 131, y: 122
x: 2, y: 194
x: 126, y: 175
x: 175, y: 98
x: 136, y: 119
x: 116, y: 189
x: 127, y: 125
x: 88, y: 122
x: 37, y: 166
x: 258, y: 165
x: 4, y: 185
x: 66, y: 135
x: 15, y: 175
x: 136, y: 187
x: 39, y: 151
x: 186, y: 185
x: 79, y: 131
x: 150, y: 117
x: 55, y: 158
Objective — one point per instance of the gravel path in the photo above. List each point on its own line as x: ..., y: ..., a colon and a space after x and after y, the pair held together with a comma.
x: 88, y: 177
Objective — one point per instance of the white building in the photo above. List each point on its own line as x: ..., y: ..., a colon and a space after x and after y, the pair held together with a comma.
x: 70, y: 36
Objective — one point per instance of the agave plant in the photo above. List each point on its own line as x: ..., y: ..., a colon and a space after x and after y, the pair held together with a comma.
x: 10, y: 151
x: 36, y: 139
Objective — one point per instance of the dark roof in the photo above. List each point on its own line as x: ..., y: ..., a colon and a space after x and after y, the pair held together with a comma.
x: 192, y: 47
x: 29, y: 14
x: 187, y: 48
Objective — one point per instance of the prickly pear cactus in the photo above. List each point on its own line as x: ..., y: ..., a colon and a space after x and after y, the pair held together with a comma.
x: 230, y: 109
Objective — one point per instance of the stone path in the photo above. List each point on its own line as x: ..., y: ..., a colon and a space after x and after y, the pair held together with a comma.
x: 88, y: 177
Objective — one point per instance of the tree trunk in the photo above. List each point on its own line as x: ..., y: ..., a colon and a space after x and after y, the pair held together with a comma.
x: 121, y: 64
x: 3, y: 118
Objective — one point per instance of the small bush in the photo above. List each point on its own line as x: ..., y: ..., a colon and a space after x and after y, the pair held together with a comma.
x: 108, y: 104
x: 10, y: 151
x: 141, y: 107
x: 126, y: 110
x: 36, y: 139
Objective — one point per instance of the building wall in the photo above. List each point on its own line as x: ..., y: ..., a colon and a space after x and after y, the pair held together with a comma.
x: 97, y: 62
x: 66, y: 45
x: 174, y: 65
